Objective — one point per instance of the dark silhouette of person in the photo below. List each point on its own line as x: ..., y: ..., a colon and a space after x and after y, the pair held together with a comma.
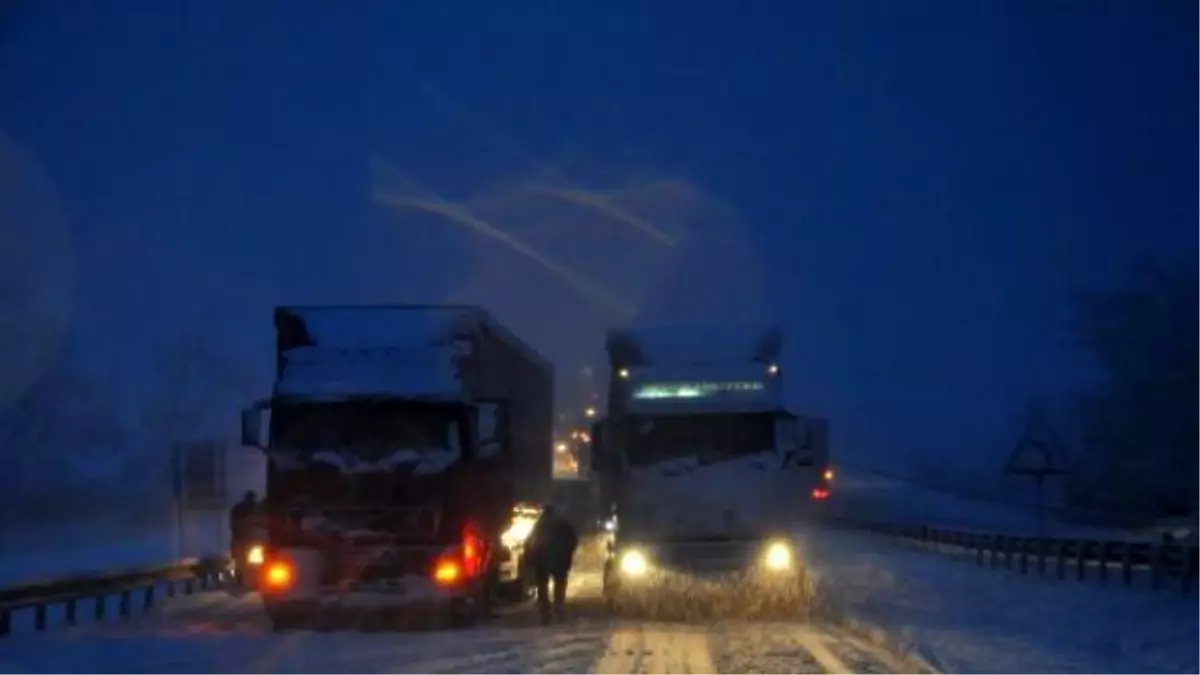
x: 241, y: 525
x: 551, y: 553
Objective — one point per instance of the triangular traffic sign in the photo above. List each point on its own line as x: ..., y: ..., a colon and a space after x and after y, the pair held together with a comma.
x: 1039, y: 452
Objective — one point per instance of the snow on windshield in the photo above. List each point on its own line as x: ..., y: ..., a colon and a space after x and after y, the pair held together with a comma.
x: 709, y: 437
x: 423, y: 462
x: 364, y: 436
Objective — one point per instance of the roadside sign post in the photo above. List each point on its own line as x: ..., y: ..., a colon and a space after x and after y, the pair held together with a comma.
x: 1039, y: 453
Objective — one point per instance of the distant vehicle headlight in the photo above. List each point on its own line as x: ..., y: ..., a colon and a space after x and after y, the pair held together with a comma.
x: 634, y: 563
x: 778, y: 556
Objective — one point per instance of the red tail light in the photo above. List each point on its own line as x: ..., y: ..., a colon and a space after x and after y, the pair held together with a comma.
x: 472, y: 551
x: 820, y: 494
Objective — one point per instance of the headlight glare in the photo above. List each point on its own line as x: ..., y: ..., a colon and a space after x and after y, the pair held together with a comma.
x: 634, y: 563
x: 256, y: 555
x: 778, y: 556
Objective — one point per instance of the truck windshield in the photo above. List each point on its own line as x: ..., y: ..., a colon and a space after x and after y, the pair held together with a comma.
x: 708, y: 437
x: 367, y: 429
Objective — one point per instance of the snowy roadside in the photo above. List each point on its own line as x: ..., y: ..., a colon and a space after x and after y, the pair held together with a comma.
x: 59, y: 552
x: 964, y: 619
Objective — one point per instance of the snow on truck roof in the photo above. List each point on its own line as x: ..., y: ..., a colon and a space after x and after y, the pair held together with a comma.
x: 399, y: 326
x: 696, y: 343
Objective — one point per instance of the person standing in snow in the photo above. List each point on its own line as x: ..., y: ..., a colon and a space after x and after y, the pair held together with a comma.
x: 551, y: 550
x: 241, y: 525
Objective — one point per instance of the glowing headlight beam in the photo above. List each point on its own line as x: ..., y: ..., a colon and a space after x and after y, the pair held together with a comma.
x: 256, y: 555
x: 518, y: 531
x: 634, y: 564
x: 778, y: 556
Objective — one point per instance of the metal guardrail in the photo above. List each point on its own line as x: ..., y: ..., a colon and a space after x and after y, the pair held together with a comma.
x: 182, y: 577
x: 1166, y: 564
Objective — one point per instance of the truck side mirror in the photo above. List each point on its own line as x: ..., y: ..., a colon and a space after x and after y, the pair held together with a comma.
x: 604, y: 458
x: 793, y: 444
x: 491, y: 428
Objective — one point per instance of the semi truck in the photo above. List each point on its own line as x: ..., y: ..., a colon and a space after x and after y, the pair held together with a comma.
x: 408, y: 448
x: 702, y: 469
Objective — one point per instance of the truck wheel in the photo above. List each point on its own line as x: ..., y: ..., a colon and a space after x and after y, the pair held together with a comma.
x: 514, y: 592
x: 486, y: 596
x: 464, y: 613
x: 284, y: 620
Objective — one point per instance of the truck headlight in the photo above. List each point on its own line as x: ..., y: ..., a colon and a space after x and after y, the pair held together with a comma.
x: 634, y: 563
x: 257, y: 555
x: 778, y: 556
x: 518, y: 530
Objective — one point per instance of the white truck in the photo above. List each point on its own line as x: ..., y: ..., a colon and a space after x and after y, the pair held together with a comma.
x: 703, y: 468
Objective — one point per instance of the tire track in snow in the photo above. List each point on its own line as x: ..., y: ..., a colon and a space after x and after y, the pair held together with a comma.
x: 228, y: 633
x: 665, y: 649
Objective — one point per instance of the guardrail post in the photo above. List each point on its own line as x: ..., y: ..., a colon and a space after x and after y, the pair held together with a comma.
x: 1008, y: 553
x: 995, y: 555
x: 1041, y: 557
x: 1187, y: 567
x: 1127, y: 565
x: 1024, y: 544
x: 979, y: 544
x: 123, y: 587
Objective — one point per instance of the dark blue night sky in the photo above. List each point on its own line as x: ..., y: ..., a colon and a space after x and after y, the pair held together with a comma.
x: 913, y: 189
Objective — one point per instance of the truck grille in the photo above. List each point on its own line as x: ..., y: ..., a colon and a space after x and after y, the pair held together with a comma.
x: 708, y: 557
x: 378, y: 564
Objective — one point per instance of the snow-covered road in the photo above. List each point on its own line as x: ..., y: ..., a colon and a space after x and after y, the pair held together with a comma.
x: 959, y: 617
x: 220, y: 633
x: 968, y: 619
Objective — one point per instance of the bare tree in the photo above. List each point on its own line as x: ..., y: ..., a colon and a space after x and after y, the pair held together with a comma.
x: 61, y: 441
x: 1140, y: 427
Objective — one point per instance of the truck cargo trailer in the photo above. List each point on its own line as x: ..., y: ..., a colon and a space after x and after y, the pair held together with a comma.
x: 408, y: 450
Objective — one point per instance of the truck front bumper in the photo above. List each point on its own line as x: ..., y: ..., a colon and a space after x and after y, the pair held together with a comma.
x: 769, y: 578
x: 416, y: 605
